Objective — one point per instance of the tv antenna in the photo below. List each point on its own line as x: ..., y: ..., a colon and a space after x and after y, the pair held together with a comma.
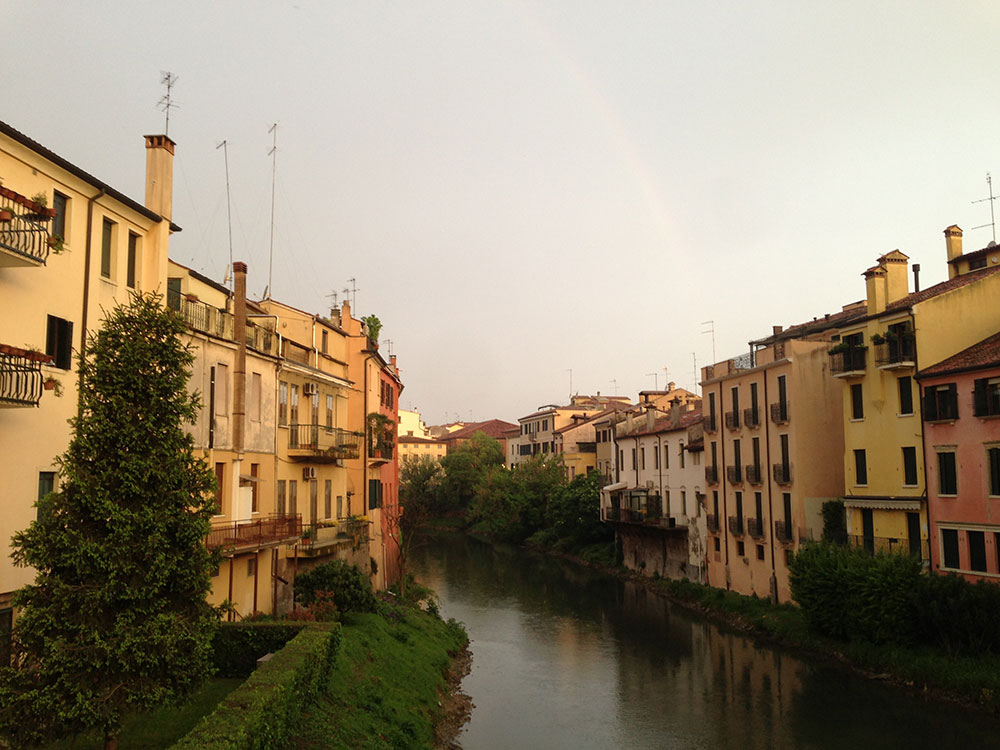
x: 614, y: 382
x: 570, y: 371
x: 166, y: 102
x: 711, y: 330
x: 656, y: 383
x: 992, y: 225
x: 273, y: 153
x: 694, y: 362
x: 354, y: 292
x: 388, y: 346
x: 229, y: 214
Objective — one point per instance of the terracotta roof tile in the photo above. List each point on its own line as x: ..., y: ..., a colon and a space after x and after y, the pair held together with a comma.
x: 944, y: 286
x: 494, y: 428
x: 978, y: 356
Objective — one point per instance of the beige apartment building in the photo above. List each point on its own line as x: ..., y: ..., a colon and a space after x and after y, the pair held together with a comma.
x: 62, y: 265
x: 538, y: 430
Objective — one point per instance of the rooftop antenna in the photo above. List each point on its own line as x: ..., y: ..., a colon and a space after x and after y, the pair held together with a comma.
x: 614, y: 382
x: 388, y: 346
x: 570, y: 371
x: 354, y: 292
x: 656, y: 384
x: 666, y: 378
x: 273, y: 153
x: 711, y: 330
x: 166, y: 103
x: 229, y: 213
x: 992, y: 225
x: 694, y: 361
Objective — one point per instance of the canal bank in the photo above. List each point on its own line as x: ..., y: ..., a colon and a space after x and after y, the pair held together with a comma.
x: 568, y: 656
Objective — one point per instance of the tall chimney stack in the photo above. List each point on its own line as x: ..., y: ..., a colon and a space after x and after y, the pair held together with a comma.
x: 240, y: 371
x: 160, y: 175
x: 953, y: 246
x: 916, y: 277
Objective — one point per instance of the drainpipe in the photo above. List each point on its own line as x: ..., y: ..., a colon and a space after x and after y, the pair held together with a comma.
x: 86, y: 278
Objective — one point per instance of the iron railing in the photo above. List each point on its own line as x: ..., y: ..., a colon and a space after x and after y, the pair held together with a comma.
x: 710, y: 423
x: 323, y: 441
x: 779, y: 412
x: 752, y: 473
x: 20, y: 380
x: 880, y: 544
x: 734, y: 475
x: 24, y: 227
x: 783, y: 531
x: 712, y: 474
x: 712, y: 521
x: 782, y: 473
x: 898, y: 351
x: 259, y: 532
x: 322, y: 534
x: 732, y: 420
x: 751, y: 417
x: 848, y: 360
x: 736, y: 525
x: 755, y: 528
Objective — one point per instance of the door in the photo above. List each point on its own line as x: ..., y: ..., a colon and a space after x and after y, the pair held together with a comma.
x: 868, y: 529
x: 913, y: 531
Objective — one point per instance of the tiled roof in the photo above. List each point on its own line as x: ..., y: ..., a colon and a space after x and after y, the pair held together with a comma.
x: 945, y: 286
x: 494, y: 428
x: 817, y: 325
x: 664, y: 424
x: 613, y: 408
x: 978, y: 356
x: 975, y: 254
x: 417, y: 439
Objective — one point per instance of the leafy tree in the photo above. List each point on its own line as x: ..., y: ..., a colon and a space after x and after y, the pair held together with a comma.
x: 116, y: 620
x: 574, y: 513
x: 510, y: 504
x: 351, y: 589
x: 466, y: 467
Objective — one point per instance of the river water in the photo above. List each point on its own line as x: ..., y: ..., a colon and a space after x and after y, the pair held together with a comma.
x: 566, y: 657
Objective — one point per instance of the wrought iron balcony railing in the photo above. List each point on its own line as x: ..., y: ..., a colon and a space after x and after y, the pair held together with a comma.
x: 896, y: 351
x: 734, y: 475
x: 751, y: 417
x: 755, y: 528
x: 850, y: 361
x: 24, y: 230
x: 20, y: 380
x: 732, y: 420
x: 779, y: 412
x: 323, y: 534
x: 260, y: 532
x: 736, y: 525
x: 710, y: 425
x: 322, y: 442
x: 712, y: 474
x: 783, y: 532
x: 712, y: 521
x: 782, y: 473
x: 874, y: 544
x: 752, y: 473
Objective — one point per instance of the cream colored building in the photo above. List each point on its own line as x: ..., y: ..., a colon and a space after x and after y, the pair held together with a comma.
x: 412, y: 425
x: 52, y: 297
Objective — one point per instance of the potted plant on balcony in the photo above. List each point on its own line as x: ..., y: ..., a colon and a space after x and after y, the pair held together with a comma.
x: 51, y: 384
x: 878, y: 338
x: 6, y: 215
x: 839, y: 348
x: 374, y: 326
x: 55, y: 243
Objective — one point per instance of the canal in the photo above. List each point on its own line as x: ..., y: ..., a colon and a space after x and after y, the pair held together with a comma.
x: 567, y: 657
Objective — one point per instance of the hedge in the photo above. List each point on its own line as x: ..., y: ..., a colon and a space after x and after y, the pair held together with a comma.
x: 265, y: 710
x: 237, y: 646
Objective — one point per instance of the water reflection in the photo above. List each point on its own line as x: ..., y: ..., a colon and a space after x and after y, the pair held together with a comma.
x: 568, y: 658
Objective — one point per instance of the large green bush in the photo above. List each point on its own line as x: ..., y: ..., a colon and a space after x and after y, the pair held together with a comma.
x: 237, y: 646
x: 265, y: 711
x: 958, y: 616
x: 351, y: 589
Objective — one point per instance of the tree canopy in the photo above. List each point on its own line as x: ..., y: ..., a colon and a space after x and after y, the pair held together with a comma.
x: 116, y: 620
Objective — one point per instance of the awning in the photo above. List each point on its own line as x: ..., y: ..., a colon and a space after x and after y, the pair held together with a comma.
x: 246, y: 479
x: 615, y: 487
x: 882, y: 503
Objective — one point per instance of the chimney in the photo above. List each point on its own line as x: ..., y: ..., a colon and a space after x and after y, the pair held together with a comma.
x: 675, y: 414
x: 650, y: 418
x: 670, y: 386
x: 953, y: 246
x: 875, y: 287
x: 240, y: 371
x: 160, y: 175
x: 916, y: 277
x: 896, y: 281
x: 775, y: 330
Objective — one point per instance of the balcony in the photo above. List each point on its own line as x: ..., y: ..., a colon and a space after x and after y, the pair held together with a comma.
x: 324, y: 537
x: 200, y: 316
x: 736, y: 525
x: 751, y: 417
x: 879, y: 544
x: 849, y: 362
x: 755, y: 528
x: 753, y: 473
x: 712, y: 521
x: 710, y: 425
x: 783, y: 532
x: 734, y: 475
x: 262, y: 339
x: 732, y: 420
x: 237, y: 536
x: 321, y: 444
x: 712, y: 474
x: 896, y: 352
x: 20, y: 377
x: 378, y: 455
x: 779, y: 412
x: 782, y: 473
x: 24, y: 231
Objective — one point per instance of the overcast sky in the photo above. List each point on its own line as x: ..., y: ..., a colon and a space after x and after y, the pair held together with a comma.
x: 520, y: 189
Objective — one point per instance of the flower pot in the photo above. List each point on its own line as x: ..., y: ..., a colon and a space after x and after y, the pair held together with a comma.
x: 49, y: 385
x: 6, y: 215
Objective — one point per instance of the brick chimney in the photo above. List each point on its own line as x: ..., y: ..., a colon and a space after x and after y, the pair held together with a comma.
x: 240, y: 371
x: 953, y: 246
x: 160, y: 175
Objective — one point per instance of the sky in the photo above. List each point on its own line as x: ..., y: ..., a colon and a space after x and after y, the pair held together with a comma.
x: 535, y: 198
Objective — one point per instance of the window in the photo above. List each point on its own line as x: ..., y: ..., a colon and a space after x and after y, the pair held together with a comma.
x: 254, y: 501
x: 986, y: 397
x: 666, y: 456
x: 760, y: 551
x: 282, y: 403
x: 256, y: 392
x: 174, y: 293
x: 642, y: 457
x: 329, y: 411
x: 60, y: 203
x: 857, y: 402
x: 993, y: 467
x: 59, y: 342
x: 715, y: 504
x: 758, y: 501
x: 740, y: 549
x: 977, y: 551
x: 656, y: 458
x: 633, y: 458
x: 107, y: 237
x: 281, y: 502
x: 133, y: 249
x: 293, y: 497
x: 755, y: 446
x: 860, y: 468
x: 252, y: 567
x: 737, y: 461
x: 314, y: 403
x: 905, y: 395
x: 6, y: 633
x: 940, y: 402
x: 947, y: 476
x: 910, y: 466
x: 374, y: 494
x: 340, y: 506
x: 736, y: 402
x: 711, y: 411
x: 681, y: 451
x: 220, y: 476
x: 718, y: 544
x: 222, y: 389
x: 739, y: 508
x: 684, y: 500
x: 46, y: 483
x: 754, y: 403
x: 293, y: 407
x: 786, y: 501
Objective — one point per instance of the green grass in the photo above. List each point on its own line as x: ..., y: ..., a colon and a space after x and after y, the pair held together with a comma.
x: 163, y: 727
x: 385, y: 688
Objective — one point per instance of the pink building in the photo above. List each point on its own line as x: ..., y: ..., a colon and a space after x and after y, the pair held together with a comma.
x: 961, y: 412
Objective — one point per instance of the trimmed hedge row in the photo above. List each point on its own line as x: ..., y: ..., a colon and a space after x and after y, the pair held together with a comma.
x: 264, y: 711
x: 853, y: 595
x: 237, y: 646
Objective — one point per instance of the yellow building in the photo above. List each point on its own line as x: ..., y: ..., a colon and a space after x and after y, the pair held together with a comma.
x: 875, y: 360
x: 53, y: 293
x: 538, y: 430
x: 411, y: 446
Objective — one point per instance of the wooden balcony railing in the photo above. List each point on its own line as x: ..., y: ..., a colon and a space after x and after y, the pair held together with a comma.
x: 734, y: 474
x: 779, y: 412
x: 712, y: 521
x: 260, y: 532
x: 732, y: 420
x: 712, y: 474
x: 755, y: 528
x: 710, y: 425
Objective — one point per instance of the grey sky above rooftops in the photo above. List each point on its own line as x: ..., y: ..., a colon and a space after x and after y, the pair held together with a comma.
x: 521, y: 189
